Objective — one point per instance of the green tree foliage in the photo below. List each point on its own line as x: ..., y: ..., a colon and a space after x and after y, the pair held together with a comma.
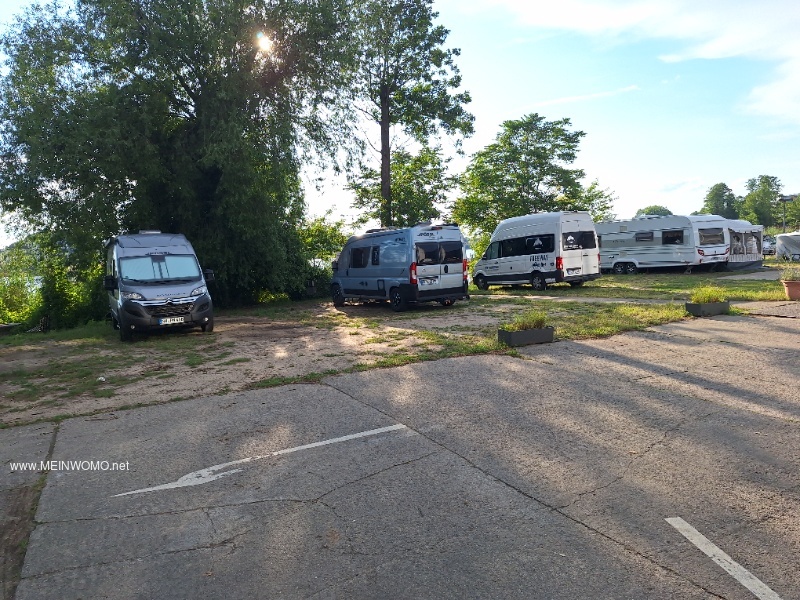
x: 720, y: 200
x: 792, y: 214
x: 524, y: 171
x: 407, y: 79
x: 420, y: 185
x: 167, y: 114
x: 598, y: 201
x: 654, y: 209
x: 761, y: 202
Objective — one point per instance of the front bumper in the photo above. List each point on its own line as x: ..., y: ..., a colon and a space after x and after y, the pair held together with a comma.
x: 192, y: 311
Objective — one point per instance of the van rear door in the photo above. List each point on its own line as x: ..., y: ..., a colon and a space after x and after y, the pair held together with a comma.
x: 579, y: 248
x: 440, y: 261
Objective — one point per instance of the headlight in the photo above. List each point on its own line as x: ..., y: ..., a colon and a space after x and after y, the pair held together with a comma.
x: 198, y: 291
x: 131, y: 296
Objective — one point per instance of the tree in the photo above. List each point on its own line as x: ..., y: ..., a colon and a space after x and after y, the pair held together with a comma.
x: 598, y: 201
x: 524, y: 171
x: 761, y: 202
x: 168, y: 114
x: 322, y: 240
x: 720, y: 200
x: 407, y: 79
x: 654, y: 209
x: 420, y: 185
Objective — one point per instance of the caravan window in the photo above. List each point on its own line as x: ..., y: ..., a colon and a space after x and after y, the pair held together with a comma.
x: 643, y: 236
x: 579, y: 240
x: 711, y: 237
x: 376, y: 255
x: 672, y: 237
x: 359, y: 258
x: 541, y: 244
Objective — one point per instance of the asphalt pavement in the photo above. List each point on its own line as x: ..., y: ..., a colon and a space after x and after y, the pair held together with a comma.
x: 654, y: 464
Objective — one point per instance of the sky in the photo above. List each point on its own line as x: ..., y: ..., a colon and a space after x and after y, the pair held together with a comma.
x: 674, y: 96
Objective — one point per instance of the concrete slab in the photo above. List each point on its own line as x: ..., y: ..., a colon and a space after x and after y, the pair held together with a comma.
x: 547, y: 476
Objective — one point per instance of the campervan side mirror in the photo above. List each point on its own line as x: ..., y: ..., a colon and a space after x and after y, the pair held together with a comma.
x: 208, y: 274
x: 109, y: 283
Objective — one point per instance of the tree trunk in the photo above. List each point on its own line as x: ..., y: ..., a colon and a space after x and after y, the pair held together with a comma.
x: 386, y: 171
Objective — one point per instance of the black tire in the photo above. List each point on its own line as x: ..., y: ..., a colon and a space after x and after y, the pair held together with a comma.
x: 618, y: 269
x: 576, y: 283
x: 481, y: 283
x: 397, y: 300
x: 631, y: 269
x: 537, y: 282
x: 125, y: 333
x: 337, y: 295
x: 448, y: 302
x: 209, y: 326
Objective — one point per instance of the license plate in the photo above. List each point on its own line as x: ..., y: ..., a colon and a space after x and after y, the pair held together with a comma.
x: 170, y: 320
x: 427, y: 281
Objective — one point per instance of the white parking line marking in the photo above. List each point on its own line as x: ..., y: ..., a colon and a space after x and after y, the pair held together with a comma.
x: 209, y: 474
x: 737, y: 571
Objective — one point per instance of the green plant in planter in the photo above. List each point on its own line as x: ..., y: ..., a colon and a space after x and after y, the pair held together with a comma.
x: 530, y: 319
x: 708, y: 294
x: 790, y: 274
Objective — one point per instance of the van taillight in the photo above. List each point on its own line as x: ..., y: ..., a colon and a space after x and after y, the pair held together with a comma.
x: 412, y: 273
x: 466, y: 266
x: 559, y: 263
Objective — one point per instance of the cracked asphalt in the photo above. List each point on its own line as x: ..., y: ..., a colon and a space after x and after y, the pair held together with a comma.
x: 545, y: 476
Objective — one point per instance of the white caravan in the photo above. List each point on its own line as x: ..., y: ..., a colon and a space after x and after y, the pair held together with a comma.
x: 648, y: 242
x: 787, y: 245
x: 540, y: 249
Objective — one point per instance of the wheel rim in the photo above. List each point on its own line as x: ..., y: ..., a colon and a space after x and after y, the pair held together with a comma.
x: 619, y: 269
x: 537, y: 282
x: 630, y: 269
x: 480, y: 282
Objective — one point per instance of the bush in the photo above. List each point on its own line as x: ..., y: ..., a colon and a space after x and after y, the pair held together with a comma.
x: 790, y: 274
x: 530, y: 319
x: 707, y: 294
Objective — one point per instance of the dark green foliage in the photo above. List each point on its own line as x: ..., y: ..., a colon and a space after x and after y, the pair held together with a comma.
x: 420, y: 185
x: 165, y: 114
x: 524, y: 171
x: 406, y: 78
x: 653, y: 209
x: 720, y: 200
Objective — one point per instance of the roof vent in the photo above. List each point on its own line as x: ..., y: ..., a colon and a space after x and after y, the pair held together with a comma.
x: 145, y: 231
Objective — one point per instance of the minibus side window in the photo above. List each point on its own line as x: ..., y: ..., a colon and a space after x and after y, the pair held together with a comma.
x: 541, y: 244
x: 359, y: 258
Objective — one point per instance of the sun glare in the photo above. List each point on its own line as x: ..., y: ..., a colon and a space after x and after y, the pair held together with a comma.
x: 264, y: 43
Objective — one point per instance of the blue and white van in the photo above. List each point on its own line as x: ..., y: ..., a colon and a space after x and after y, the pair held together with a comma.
x: 423, y: 263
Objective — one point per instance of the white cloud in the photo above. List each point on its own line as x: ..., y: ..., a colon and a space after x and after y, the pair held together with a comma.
x: 712, y: 29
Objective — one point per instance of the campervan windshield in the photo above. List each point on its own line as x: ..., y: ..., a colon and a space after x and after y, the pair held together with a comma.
x: 159, y: 268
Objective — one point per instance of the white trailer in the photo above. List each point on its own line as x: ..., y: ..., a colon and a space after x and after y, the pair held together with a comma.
x: 787, y: 245
x: 649, y: 242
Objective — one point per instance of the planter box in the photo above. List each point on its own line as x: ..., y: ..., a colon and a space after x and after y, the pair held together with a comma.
x: 525, y: 337
x: 707, y: 309
x: 792, y: 289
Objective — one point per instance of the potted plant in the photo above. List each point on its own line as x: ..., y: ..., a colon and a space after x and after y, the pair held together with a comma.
x: 527, y: 328
x: 790, y: 278
x: 708, y: 301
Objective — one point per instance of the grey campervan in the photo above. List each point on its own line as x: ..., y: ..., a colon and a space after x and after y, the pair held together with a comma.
x: 423, y: 263
x: 154, y: 281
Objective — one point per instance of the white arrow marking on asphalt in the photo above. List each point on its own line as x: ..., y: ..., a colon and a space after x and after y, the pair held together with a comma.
x: 210, y: 473
x: 737, y: 571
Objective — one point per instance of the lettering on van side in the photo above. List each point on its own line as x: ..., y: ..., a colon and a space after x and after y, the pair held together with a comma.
x: 426, y: 234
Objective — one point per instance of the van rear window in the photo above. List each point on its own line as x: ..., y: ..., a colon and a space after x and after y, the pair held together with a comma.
x: 579, y: 240
x: 436, y: 253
